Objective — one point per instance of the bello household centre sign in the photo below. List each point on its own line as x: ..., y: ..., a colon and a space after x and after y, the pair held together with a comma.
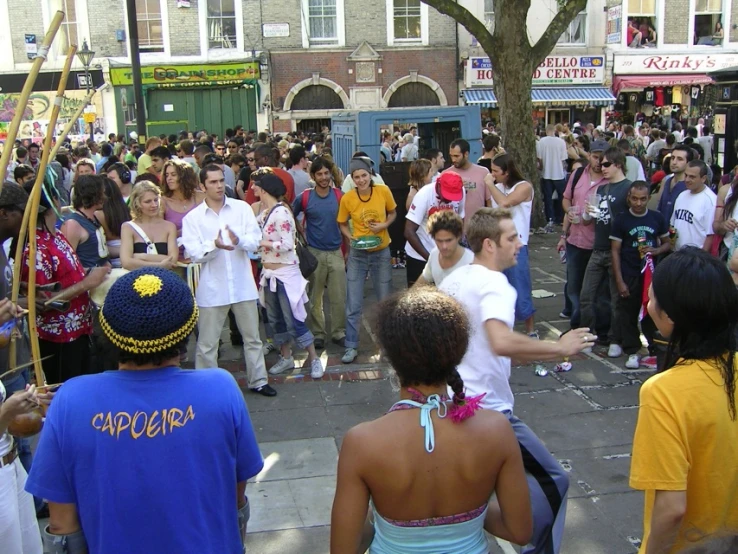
x: 555, y: 70
x: 179, y: 76
x: 672, y: 63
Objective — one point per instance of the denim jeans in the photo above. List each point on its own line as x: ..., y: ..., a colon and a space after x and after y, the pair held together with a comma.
x: 553, y: 209
x: 360, y: 264
x: 14, y: 383
x: 286, y: 325
x: 576, y: 265
x: 599, y: 271
x: 519, y: 277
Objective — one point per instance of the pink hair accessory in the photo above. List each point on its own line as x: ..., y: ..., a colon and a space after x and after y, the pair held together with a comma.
x: 465, y: 408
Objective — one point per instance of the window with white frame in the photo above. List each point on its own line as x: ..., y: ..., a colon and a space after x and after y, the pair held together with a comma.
x: 150, y: 26
x: 576, y: 33
x: 407, y: 21
x: 221, y: 21
x: 708, y: 23
x: 642, y: 13
x: 68, y: 32
x: 489, y: 15
x: 322, y: 22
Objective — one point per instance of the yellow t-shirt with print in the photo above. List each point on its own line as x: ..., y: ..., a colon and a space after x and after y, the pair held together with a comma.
x: 686, y: 441
x: 363, y: 210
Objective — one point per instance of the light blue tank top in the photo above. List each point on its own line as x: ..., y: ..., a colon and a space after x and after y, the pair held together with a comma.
x: 457, y: 534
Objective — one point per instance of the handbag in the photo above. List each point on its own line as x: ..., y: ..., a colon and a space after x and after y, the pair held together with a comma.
x: 308, y: 262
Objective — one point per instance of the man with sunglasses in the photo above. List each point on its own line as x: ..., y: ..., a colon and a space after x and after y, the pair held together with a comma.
x: 609, y: 203
x: 244, y: 176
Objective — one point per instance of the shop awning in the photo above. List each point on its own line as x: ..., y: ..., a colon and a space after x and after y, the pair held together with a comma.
x: 639, y: 82
x: 593, y: 96
x: 483, y: 97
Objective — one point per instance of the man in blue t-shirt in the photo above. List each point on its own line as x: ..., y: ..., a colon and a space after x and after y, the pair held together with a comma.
x: 320, y: 208
x: 673, y: 185
x: 150, y: 458
x: 637, y: 232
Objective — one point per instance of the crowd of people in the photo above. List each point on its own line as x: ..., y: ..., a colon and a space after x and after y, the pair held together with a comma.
x: 271, y: 226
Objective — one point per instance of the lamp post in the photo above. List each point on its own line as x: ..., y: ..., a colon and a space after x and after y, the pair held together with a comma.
x: 85, y: 56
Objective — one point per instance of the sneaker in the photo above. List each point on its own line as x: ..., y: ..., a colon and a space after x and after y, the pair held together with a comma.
x: 282, y: 365
x: 634, y: 362
x: 534, y: 335
x: 268, y: 348
x: 340, y: 342
x: 319, y: 344
x: 316, y: 369
x: 614, y: 351
x: 650, y: 362
x: 564, y: 315
x: 350, y: 355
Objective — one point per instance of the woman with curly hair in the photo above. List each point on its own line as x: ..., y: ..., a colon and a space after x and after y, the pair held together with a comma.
x: 686, y: 440
x: 180, y: 191
x: 428, y: 468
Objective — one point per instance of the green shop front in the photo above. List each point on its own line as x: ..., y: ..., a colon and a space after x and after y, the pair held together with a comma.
x: 190, y: 98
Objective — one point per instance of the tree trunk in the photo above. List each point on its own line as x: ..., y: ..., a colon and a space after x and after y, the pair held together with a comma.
x: 513, y: 90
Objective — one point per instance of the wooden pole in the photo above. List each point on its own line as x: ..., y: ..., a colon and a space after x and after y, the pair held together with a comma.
x: 38, y: 61
x: 73, y: 120
x: 31, y: 222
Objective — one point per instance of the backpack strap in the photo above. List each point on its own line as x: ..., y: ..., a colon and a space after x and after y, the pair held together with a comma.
x: 577, y: 175
x: 305, y: 198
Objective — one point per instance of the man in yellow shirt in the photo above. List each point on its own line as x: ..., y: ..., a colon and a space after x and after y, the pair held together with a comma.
x: 144, y: 162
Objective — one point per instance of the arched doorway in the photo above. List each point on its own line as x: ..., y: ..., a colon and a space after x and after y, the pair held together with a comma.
x: 413, y: 94
x: 317, y: 97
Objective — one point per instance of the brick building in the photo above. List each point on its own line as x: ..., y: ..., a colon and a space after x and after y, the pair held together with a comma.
x: 202, y: 60
x: 328, y: 58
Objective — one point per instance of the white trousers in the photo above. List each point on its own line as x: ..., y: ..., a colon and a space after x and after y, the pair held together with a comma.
x: 210, y: 325
x: 19, y: 530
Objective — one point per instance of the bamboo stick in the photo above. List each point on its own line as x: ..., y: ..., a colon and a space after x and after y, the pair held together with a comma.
x: 38, y: 61
x: 73, y: 120
x: 31, y: 223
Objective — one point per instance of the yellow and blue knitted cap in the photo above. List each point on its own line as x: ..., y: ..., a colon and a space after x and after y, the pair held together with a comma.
x: 148, y: 310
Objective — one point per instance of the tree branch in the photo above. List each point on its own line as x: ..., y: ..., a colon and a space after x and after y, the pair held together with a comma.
x: 466, y: 19
x: 558, y: 25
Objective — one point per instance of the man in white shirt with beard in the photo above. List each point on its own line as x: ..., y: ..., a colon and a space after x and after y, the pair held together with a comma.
x: 219, y: 233
x: 694, y: 209
x: 489, y: 300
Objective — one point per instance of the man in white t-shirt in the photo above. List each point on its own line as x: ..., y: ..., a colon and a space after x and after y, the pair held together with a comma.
x: 446, y: 194
x: 694, y: 209
x: 446, y: 228
x: 489, y: 300
x: 551, y: 153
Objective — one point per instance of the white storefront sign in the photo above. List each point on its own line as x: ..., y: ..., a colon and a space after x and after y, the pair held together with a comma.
x: 672, y: 63
x: 555, y: 70
x: 275, y: 30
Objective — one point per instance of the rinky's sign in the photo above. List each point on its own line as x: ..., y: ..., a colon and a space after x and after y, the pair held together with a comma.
x: 555, y: 70
x: 672, y: 63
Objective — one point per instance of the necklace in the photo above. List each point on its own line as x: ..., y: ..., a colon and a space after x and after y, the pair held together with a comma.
x: 371, y: 191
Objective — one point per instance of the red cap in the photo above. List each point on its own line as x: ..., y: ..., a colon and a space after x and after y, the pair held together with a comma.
x: 452, y: 187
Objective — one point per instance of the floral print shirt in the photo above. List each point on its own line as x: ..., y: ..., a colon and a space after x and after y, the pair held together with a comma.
x: 278, y: 226
x: 56, y: 260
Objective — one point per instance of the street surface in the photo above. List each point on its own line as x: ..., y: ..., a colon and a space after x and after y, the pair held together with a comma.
x: 585, y: 417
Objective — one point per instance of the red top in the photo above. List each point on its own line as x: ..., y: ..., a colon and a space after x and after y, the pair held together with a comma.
x: 288, y: 181
x: 56, y: 260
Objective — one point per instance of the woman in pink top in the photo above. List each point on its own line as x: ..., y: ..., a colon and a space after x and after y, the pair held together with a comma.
x: 282, y: 290
x: 180, y: 194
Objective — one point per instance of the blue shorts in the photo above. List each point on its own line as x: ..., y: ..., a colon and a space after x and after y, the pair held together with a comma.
x: 519, y: 277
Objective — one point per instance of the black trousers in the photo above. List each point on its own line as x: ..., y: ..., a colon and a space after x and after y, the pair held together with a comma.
x: 67, y: 359
x: 414, y: 269
x: 625, y: 330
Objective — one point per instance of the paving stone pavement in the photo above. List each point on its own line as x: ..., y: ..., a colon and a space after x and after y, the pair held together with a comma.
x: 586, y: 418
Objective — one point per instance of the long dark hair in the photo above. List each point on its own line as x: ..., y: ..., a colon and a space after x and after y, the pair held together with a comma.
x: 697, y: 292
x: 114, y: 209
x: 732, y: 200
x: 507, y: 164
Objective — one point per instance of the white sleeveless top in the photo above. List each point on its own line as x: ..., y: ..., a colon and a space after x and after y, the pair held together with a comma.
x: 520, y: 213
x: 6, y: 441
